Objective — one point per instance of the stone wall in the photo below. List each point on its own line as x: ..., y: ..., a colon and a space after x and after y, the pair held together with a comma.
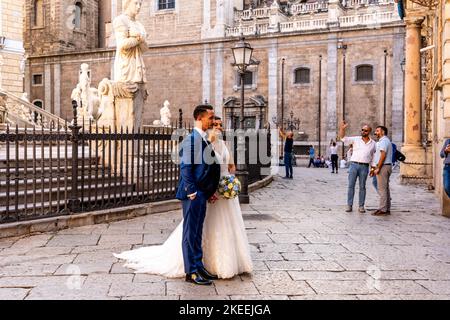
x: 187, y: 75
x: 12, y: 54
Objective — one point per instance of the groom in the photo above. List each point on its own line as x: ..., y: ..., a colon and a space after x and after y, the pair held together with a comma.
x: 200, y: 174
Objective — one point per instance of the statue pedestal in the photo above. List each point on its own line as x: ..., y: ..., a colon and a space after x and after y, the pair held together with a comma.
x: 129, y: 110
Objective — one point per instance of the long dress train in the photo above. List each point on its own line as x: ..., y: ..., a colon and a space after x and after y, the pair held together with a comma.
x: 225, y: 245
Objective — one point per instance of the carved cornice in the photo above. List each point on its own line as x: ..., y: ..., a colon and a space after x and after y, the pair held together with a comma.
x: 426, y: 3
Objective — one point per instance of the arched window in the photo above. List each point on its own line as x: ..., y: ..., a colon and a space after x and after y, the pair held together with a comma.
x: 77, y: 17
x: 38, y: 13
x: 302, y: 75
x: 364, y: 72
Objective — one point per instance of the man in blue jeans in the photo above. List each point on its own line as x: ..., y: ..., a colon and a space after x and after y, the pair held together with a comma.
x: 363, y: 150
x: 445, y: 153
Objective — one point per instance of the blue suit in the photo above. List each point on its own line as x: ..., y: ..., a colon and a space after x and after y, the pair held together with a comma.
x: 199, y: 173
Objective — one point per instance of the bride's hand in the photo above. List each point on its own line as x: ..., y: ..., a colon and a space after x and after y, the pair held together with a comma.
x: 232, y: 168
x: 213, y: 198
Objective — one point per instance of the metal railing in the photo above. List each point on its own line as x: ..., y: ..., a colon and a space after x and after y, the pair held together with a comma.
x: 72, y: 169
x: 22, y: 112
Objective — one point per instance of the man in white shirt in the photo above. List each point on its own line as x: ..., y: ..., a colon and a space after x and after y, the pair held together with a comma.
x: 363, y: 151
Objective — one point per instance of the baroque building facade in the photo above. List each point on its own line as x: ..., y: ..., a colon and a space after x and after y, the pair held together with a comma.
x: 324, y: 61
x: 12, y: 62
x: 427, y: 92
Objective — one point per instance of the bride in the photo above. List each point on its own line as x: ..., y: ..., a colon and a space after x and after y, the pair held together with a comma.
x: 225, y: 245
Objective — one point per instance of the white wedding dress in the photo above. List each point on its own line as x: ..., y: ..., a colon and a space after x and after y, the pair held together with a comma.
x: 226, y: 251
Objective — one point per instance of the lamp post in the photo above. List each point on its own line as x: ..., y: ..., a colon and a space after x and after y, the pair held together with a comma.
x: 320, y: 105
x: 242, y: 54
x: 384, y: 88
x: 402, y: 65
x: 343, y: 46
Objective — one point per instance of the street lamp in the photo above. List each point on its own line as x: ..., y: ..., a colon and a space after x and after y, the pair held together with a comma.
x: 242, y: 54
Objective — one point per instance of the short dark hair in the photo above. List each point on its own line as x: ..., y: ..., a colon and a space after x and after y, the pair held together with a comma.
x: 217, y: 118
x: 385, y: 130
x: 201, y: 109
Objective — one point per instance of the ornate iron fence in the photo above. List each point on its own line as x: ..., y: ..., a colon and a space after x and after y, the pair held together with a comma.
x: 72, y: 169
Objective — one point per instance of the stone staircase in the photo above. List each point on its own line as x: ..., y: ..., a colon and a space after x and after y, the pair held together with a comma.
x: 36, y: 168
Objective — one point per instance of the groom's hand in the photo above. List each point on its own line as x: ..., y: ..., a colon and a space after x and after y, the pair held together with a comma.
x: 192, y: 196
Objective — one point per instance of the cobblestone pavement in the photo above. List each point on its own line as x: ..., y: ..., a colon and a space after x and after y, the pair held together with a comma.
x: 304, y: 246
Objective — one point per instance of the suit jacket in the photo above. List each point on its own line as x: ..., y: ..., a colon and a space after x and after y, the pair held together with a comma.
x: 199, y: 168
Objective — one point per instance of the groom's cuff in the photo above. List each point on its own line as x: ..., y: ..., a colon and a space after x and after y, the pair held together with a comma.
x: 192, y: 194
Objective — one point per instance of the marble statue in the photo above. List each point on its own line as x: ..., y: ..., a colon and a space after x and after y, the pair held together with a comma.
x: 131, y: 42
x: 165, y: 115
x: 86, y: 97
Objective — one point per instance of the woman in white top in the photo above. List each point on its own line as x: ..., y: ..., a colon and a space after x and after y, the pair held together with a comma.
x: 334, y: 157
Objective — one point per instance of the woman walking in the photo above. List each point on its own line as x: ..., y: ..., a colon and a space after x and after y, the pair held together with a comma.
x: 334, y: 158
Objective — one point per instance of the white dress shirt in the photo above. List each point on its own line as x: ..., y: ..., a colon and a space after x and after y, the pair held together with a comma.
x: 362, y: 151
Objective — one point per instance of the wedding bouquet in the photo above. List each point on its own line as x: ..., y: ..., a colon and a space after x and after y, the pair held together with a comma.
x: 229, y: 187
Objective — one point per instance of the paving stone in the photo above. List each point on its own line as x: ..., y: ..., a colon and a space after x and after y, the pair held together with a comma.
x: 189, y: 297
x: 399, y: 287
x: 33, y: 281
x: 436, y: 287
x: 28, y: 270
x: 142, y: 277
x: 151, y: 298
x: 304, y: 265
x: 342, y: 287
x: 325, y: 275
x: 324, y: 297
x: 288, y: 238
x: 123, y: 289
x: 108, y: 278
x: 265, y: 256
x: 322, y: 248
x: 73, y: 240
x: 64, y: 292
x: 120, y: 239
x: 84, y: 268
x: 301, y: 256
x: 236, y: 287
x: 32, y: 241
x: 13, y: 293
x: 183, y: 288
x: 259, y: 297
x: 279, y: 282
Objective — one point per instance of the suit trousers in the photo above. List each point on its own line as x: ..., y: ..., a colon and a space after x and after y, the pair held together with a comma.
x: 383, y: 187
x: 194, y: 212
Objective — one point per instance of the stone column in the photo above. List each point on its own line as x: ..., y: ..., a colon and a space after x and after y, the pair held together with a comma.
x: 414, y: 166
x: 273, y: 101
x: 219, y: 80
x: 445, y: 122
x: 57, y: 89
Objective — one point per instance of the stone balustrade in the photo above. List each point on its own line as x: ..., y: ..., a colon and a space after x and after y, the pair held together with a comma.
x: 304, y: 8
x: 313, y: 16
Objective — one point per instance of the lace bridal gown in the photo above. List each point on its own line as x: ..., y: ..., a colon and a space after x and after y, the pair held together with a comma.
x: 225, y: 245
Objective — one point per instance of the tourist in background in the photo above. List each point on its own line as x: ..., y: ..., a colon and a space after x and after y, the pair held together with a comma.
x: 445, y: 154
x: 363, y: 150
x: 288, y: 150
x: 334, y: 157
x: 311, y: 156
x: 382, y: 169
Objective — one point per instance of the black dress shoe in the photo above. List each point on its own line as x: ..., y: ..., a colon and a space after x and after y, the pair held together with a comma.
x: 206, y: 275
x: 197, y: 279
